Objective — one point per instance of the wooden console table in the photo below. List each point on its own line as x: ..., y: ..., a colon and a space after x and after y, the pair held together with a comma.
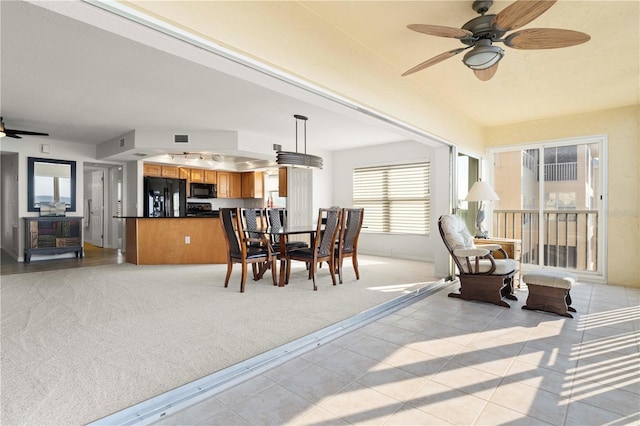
x: 512, y: 247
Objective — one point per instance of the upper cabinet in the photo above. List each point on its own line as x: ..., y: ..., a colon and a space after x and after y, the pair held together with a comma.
x: 252, y: 185
x: 210, y: 176
x: 282, y: 182
x: 157, y: 170
x: 170, y: 172
x: 149, y: 169
x: 197, y: 175
x: 229, y: 185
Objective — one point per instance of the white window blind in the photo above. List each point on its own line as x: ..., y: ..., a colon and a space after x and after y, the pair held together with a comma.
x: 396, y: 199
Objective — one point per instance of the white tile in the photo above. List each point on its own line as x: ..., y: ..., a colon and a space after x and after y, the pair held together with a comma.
x: 580, y: 414
x: 362, y: 405
x: 411, y: 416
x: 494, y: 414
x: 448, y: 404
x: 539, y: 404
x: 272, y: 406
x: 468, y: 380
x: 394, y: 382
x: 348, y: 364
x: 315, y: 383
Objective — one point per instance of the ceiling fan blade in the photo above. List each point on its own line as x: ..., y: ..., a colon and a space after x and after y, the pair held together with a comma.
x: 545, y: 38
x: 441, y: 57
x: 24, y: 132
x: 486, y: 74
x: 520, y: 13
x: 11, y: 135
x: 440, y: 31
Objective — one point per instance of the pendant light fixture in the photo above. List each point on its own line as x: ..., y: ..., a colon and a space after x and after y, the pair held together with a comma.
x: 299, y: 159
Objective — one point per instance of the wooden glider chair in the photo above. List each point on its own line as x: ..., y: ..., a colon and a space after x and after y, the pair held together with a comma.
x: 323, y: 247
x: 240, y: 249
x: 482, y: 277
x: 347, y: 245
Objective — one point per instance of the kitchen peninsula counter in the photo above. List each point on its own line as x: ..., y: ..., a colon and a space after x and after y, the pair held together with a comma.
x: 174, y: 240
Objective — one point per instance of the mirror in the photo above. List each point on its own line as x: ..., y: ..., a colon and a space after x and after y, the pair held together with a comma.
x: 51, y: 181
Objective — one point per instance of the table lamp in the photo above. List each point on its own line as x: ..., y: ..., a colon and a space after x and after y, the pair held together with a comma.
x: 481, y: 191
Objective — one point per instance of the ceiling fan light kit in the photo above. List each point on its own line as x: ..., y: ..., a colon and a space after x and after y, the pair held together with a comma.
x: 483, y: 55
x: 480, y: 34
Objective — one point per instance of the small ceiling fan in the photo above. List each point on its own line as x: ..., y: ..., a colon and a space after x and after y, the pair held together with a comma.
x: 480, y: 34
x: 12, y: 133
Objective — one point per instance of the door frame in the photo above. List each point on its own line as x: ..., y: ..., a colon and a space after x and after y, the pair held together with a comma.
x: 600, y: 275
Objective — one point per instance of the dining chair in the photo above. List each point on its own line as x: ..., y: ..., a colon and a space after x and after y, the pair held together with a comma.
x: 347, y: 244
x: 276, y: 220
x: 252, y: 219
x: 322, y: 249
x: 240, y: 251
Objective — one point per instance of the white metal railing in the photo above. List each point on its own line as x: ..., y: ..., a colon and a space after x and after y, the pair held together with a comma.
x: 560, y: 172
x: 569, y: 238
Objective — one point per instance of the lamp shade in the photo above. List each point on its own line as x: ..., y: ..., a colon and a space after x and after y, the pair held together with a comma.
x: 483, y: 55
x: 481, y: 191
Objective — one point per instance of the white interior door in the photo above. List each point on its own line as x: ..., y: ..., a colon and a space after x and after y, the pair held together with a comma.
x: 300, y: 196
x: 95, y: 210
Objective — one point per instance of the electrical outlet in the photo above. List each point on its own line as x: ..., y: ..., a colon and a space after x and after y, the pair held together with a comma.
x: 187, y: 239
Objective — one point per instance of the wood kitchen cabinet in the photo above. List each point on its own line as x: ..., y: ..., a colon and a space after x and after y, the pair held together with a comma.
x: 197, y: 175
x: 185, y: 173
x: 158, y: 170
x: 210, y: 176
x: 170, y: 171
x: 229, y: 185
x: 252, y: 185
x: 149, y: 169
x: 282, y: 182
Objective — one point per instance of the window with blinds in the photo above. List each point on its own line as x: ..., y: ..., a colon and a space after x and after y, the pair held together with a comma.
x: 396, y: 199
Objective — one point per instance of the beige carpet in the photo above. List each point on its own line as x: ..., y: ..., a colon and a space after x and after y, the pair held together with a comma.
x: 80, y: 344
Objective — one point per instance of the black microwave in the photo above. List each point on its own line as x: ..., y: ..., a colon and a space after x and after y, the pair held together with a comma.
x: 204, y: 190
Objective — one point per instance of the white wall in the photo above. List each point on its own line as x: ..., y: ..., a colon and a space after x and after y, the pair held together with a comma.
x: 9, y: 204
x: 31, y: 146
x: 418, y: 247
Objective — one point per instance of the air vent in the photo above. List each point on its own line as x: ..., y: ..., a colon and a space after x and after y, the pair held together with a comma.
x: 180, y: 138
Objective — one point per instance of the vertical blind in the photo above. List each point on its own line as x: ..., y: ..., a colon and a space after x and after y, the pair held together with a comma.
x: 396, y: 198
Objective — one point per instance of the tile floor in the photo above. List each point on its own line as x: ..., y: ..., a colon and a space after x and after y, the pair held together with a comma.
x: 444, y: 361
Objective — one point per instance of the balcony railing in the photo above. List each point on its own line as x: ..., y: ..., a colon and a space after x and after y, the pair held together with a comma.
x: 561, y: 172
x: 568, y: 240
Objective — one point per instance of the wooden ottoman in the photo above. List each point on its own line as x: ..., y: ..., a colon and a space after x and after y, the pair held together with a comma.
x: 549, y: 291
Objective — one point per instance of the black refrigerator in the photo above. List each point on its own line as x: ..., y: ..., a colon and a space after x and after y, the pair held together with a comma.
x: 165, y: 197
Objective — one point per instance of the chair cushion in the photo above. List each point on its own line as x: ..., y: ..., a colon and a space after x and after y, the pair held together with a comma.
x: 503, y: 266
x: 547, y: 278
x: 456, y: 232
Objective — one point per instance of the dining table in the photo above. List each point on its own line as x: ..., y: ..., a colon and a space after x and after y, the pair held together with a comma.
x: 284, y: 232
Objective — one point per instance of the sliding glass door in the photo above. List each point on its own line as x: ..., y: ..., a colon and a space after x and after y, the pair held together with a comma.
x: 551, y: 199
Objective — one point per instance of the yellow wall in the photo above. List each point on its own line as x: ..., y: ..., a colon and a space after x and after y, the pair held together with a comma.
x: 622, y: 127
x: 320, y: 54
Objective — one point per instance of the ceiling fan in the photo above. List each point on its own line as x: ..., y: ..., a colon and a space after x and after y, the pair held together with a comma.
x: 480, y: 34
x: 12, y: 133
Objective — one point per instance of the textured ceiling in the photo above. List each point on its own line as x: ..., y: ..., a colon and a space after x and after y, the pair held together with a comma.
x: 84, y: 84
